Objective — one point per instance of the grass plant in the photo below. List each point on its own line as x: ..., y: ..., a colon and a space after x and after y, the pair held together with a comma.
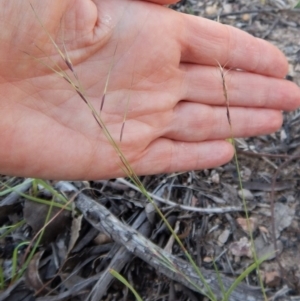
x: 124, y: 164
x: 19, y: 265
x: 257, y: 262
x: 35, y: 242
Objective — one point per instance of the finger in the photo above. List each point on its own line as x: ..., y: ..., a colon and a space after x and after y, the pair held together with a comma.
x: 205, y: 42
x: 204, y: 84
x: 195, y: 122
x: 165, y: 156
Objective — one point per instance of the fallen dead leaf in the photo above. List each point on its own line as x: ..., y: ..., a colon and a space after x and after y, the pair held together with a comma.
x: 223, y: 237
x: 35, y: 215
x: 241, y: 248
x: 247, y: 194
x: 252, y: 221
x: 283, y: 216
x: 271, y: 279
x: 101, y: 239
x: 207, y: 259
x: 32, y: 276
x: 75, y: 230
x: 264, y: 248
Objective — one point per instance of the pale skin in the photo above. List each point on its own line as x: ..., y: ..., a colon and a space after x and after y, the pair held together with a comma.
x: 165, y: 64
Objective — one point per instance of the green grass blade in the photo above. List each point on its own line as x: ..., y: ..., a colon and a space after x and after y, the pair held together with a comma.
x: 2, y: 281
x: 45, y: 202
x: 13, y: 189
x: 242, y: 276
x: 15, y: 259
x: 11, y: 228
x: 52, y: 190
x: 126, y: 283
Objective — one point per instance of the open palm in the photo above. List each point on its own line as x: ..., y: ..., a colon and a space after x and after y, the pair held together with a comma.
x: 164, y: 75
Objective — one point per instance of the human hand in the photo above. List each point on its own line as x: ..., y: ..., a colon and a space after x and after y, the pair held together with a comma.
x: 165, y: 62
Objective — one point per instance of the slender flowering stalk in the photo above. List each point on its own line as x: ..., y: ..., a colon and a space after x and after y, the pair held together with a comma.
x: 256, y: 260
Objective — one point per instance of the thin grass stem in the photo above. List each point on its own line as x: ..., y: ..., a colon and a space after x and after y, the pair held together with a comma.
x: 256, y: 261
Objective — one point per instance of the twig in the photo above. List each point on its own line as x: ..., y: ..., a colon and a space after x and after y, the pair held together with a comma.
x: 260, y: 155
x: 253, y: 11
x: 271, y: 28
x: 219, y: 210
